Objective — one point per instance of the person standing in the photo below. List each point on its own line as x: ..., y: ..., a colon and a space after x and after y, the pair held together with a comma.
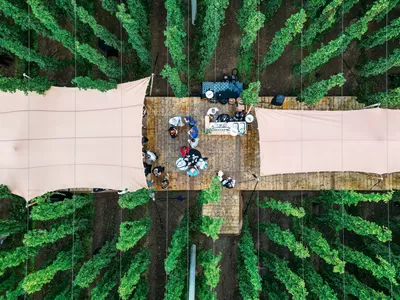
x: 157, y: 171
x: 193, y: 142
x: 173, y: 132
x: 193, y: 132
x: 176, y: 121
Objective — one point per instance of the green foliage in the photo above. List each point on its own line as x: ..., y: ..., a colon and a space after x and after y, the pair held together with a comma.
x: 320, y: 246
x: 137, y: 10
x: 354, y: 287
x: 248, y: 8
x: 250, y: 21
x: 337, y: 220
x: 177, y: 281
x: 142, y: 289
x: 391, y: 5
x: 4, y: 191
x: 389, y: 98
x: 313, y: 93
x: 211, y: 226
x: 293, y: 26
x: 382, y: 270
x: 17, y: 292
x: 133, y: 27
x: 64, y: 261
x: 316, y: 284
x: 382, y: 35
x: 87, y: 83
x: 270, y: 7
x: 175, y: 33
x: 45, y: 211
x: 351, y: 197
x: 203, y: 291
x: 210, y: 264
x: 110, y: 5
x: 339, y: 45
x: 248, y: 277
x: 313, y: 6
x: 9, y: 227
x: 132, y: 232
x: 108, y: 67
x: 172, y: 74
x: 133, y: 199
x: 285, y: 238
x: 211, y: 194
x: 22, y: 18
x: 381, y: 65
x: 250, y: 95
x: 15, y: 257
x: 284, y: 207
x: 106, y: 284
x: 28, y: 54
x: 10, y: 282
x: 293, y: 283
x: 131, y: 278
x: 178, y: 245
x: 321, y: 24
x: 37, y: 84
x: 214, y: 17
x: 40, y: 237
x: 91, y: 268
x: 99, y: 30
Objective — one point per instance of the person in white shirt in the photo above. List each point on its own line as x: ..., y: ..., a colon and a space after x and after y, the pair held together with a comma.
x: 193, y: 142
x: 176, y: 121
x: 212, y: 113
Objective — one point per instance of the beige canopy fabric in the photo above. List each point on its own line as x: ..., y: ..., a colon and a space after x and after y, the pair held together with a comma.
x: 71, y: 138
x: 321, y: 141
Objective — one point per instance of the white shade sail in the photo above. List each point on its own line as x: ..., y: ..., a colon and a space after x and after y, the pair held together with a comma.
x: 71, y: 138
x: 321, y: 141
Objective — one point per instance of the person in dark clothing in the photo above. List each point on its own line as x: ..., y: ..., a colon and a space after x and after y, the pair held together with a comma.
x: 173, y: 132
x: 223, y: 118
x: 165, y: 182
x: 147, y: 168
x: 157, y: 171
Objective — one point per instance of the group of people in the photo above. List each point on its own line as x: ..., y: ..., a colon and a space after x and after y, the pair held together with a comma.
x: 191, y: 161
x: 149, y: 158
x: 213, y: 114
x: 193, y: 131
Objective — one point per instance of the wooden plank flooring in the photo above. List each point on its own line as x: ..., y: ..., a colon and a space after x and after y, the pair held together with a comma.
x: 239, y: 156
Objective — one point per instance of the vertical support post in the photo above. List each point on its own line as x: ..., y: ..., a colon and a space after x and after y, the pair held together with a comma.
x: 192, y: 272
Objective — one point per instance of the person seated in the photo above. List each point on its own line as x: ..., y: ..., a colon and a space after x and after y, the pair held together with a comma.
x: 240, y: 116
x: 157, y: 171
x: 184, y: 150
x: 149, y: 157
x: 165, y: 182
x: 173, y: 132
x: 147, y: 168
x: 181, y: 164
x: 176, y: 121
x: 189, y: 120
x: 228, y: 183
x: 193, y: 142
x: 212, y: 113
x: 193, y: 172
x: 202, y: 164
x: 193, y: 132
x: 224, y: 118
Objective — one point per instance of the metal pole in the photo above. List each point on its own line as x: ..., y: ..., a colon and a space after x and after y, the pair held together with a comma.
x: 192, y: 272
x: 247, y: 206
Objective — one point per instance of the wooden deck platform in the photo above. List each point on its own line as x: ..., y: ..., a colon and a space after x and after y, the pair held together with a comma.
x: 239, y: 156
x: 230, y: 208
